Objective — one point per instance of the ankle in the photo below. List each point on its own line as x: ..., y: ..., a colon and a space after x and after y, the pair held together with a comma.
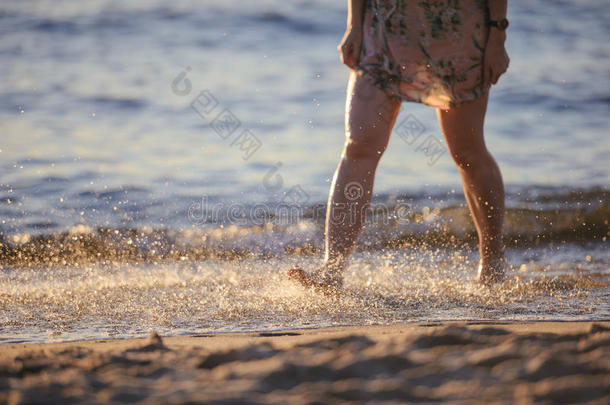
x: 492, y: 255
x: 492, y: 270
x: 334, y: 266
x: 331, y: 272
x: 492, y: 262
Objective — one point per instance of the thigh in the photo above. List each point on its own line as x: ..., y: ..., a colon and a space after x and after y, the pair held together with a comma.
x: 462, y: 126
x: 370, y: 113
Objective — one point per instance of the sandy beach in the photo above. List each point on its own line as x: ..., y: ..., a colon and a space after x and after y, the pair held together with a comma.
x: 521, y: 362
x: 163, y: 164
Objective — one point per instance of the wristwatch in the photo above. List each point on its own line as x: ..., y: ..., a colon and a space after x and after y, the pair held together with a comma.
x: 499, y: 24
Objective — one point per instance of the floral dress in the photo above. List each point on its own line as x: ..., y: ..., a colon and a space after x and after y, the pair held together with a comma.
x: 426, y: 51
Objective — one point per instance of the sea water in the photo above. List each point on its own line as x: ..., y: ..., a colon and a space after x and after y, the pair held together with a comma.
x: 148, y: 152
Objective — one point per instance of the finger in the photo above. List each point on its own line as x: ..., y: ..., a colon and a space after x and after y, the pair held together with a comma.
x: 343, y: 54
x: 357, y: 55
x: 348, y: 53
x: 494, y: 76
x: 353, y: 58
x: 486, y: 75
x: 349, y: 57
x: 498, y: 75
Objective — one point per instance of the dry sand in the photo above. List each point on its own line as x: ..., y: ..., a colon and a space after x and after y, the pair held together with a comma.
x: 525, y: 362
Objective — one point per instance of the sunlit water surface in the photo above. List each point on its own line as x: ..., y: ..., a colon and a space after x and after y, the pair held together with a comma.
x: 105, y: 168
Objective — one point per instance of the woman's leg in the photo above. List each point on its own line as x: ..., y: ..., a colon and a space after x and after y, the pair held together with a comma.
x: 481, y: 180
x: 369, y: 117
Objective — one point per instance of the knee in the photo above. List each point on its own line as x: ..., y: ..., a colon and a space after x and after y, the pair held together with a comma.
x: 471, y: 159
x: 363, y: 148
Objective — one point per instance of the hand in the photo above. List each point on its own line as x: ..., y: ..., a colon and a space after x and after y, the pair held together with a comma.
x: 496, y: 59
x: 350, y: 46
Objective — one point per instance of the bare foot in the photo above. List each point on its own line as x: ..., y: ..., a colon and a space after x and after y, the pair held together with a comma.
x: 493, y: 273
x: 326, y: 286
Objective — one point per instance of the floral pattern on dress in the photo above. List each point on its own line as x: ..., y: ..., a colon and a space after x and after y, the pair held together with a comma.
x: 426, y: 51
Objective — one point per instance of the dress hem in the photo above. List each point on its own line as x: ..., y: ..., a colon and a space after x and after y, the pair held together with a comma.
x: 374, y: 79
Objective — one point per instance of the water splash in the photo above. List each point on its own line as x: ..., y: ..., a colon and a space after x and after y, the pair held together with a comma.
x: 213, y: 295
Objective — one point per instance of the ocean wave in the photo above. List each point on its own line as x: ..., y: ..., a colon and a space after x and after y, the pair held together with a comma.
x: 280, y: 235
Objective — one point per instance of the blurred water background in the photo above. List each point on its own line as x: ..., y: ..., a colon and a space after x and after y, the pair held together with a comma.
x: 106, y: 170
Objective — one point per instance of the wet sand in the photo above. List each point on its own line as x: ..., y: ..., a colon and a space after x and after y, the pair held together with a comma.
x: 513, y: 362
